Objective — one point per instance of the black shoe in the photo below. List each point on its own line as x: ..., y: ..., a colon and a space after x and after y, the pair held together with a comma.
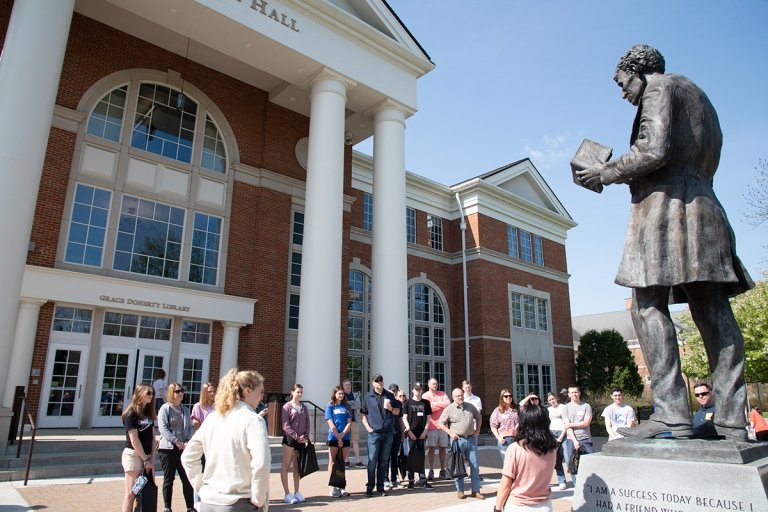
x: 347, y: 464
x: 382, y: 493
x: 369, y: 493
x: 410, y: 486
x: 428, y: 486
x: 651, y: 428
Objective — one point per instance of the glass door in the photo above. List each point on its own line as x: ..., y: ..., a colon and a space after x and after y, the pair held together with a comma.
x: 117, y: 373
x: 63, y: 386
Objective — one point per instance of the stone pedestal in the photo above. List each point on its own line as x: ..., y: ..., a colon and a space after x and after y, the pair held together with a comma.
x: 674, y: 476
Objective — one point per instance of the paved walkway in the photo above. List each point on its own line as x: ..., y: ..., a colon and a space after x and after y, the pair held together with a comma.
x: 99, y: 494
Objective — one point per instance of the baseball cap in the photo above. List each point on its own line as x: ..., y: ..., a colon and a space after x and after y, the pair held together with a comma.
x: 378, y: 378
x: 417, y: 385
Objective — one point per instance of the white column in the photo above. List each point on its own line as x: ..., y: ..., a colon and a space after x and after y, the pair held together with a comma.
x: 229, y: 347
x: 30, y: 67
x: 389, y: 321
x: 317, y: 349
x: 23, y: 346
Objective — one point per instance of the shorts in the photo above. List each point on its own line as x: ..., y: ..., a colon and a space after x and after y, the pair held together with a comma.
x: 437, y: 438
x: 335, y: 442
x: 354, y: 433
x: 131, y: 461
x: 290, y: 442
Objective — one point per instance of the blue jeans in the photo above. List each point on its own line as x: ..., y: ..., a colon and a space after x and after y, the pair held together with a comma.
x: 379, y: 447
x: 559, y: 460
x: 503, y: 447
x: 568, y: 450
x: 468, y: 447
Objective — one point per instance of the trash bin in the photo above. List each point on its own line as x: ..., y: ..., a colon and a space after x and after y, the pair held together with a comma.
x: 274, y: 413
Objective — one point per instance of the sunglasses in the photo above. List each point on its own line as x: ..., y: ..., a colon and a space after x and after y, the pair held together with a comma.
x: 506, y: 396
x: 697, y: 395
x: 178, y: 391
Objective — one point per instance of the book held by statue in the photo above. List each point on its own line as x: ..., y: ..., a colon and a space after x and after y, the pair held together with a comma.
x: 589, y: 154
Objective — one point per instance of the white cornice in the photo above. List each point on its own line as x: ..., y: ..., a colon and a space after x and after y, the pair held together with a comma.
x: 67, y: 119
x: 343, y: 23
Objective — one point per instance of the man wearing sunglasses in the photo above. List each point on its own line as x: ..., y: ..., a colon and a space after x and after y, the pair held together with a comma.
x: 703, y: 420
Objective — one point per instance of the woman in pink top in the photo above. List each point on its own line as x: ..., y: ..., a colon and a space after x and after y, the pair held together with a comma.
x: 205, y: 406
x: 528, y: 464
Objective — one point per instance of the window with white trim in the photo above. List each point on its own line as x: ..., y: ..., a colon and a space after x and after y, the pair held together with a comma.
x: 367, y: 212
x: 130, y: 325
x: 529, y: 312
x: 149, y: 238
x: 427, y: 329
x: 525, y: 246
x: 88, y: 225
x: 294, y: 271
x: 206, y: 241
x: 531, y: 377
x: 195, y: 332
x: 435, y: 227
x: 71, y: 319
x: 410, y: 225
x: 359, y: 329
x: 148, y: 234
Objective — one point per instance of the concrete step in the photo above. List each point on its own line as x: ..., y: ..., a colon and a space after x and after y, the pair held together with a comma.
x: 53, y: 457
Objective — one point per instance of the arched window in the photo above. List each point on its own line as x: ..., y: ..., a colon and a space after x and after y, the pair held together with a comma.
x: 359, y: 330
x: 151, y: 186
x: 427, y: 335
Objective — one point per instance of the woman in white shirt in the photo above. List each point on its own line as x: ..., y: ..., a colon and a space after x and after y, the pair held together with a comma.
x: 556, y: 426
x: 236, y: 448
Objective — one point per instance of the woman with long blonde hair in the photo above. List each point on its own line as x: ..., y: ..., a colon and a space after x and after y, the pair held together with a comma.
x: 504, y: 421
x: 236, y: 448
x: 140, y: 445
x: 204, y: 406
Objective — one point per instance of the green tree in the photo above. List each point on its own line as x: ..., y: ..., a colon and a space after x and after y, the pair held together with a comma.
x: 751, y: 312
x: 605, y: 362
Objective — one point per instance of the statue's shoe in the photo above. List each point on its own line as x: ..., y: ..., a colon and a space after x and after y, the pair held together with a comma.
x: 732, y: 433
x: 650, y: 429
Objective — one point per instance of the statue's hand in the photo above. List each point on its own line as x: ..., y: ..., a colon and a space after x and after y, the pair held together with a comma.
x: 589, y: 177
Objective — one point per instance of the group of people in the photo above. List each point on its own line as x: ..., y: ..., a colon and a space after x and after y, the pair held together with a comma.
x: 220, y: 448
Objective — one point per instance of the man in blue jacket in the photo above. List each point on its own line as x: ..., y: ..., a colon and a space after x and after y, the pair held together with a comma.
x: 379, y: 410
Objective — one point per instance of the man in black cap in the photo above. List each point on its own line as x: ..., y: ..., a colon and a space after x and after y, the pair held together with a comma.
x: 416, y: 410
x: 379, y: 410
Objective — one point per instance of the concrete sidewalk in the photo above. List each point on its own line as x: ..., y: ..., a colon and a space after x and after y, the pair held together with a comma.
x: 97, y: 494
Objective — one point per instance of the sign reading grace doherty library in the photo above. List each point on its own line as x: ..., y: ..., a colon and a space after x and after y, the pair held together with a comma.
x: 144, y: 303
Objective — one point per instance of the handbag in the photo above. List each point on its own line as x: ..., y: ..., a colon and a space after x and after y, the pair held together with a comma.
x: 146, y: 498
x: 338, y: 476
x: 573, y: 462
x: 307, y: 459
x: 415, y: 462
x: 456, y: 466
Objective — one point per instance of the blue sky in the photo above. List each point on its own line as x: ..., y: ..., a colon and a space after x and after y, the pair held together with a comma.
x: 525, y: 78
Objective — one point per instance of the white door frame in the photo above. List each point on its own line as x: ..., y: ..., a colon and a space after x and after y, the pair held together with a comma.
x: 72, y: 421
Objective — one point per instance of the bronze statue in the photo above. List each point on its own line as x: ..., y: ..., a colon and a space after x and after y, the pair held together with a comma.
x: 679, y: 245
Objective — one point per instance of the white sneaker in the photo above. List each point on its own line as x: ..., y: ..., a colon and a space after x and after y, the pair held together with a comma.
x: 344, y: 492
x: 562, y: 486
x: 387, y: 485
x: 335, y: 492
x: 299, y: 497
x: 290, y: 498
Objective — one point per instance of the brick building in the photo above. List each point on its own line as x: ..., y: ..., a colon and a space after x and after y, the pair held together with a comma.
x: 184, y: 195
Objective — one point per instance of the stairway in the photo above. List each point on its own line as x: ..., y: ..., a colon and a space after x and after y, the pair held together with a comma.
x: 62, y: 453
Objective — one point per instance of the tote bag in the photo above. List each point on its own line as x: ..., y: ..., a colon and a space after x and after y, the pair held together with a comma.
x: 307, y: 459
x: 338, y: 476
x: 456, y: 466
